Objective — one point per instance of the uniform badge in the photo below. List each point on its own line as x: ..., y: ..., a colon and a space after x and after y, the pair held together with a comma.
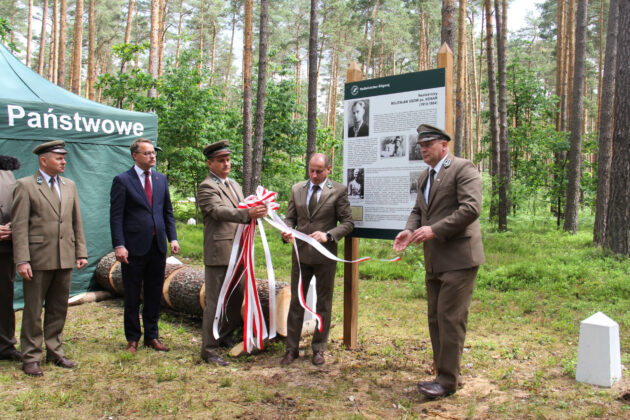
x: 447, y: 163
x: 62, y: 181
x: 306, y: 184
x: 329, y: 184
x: 39, y: 180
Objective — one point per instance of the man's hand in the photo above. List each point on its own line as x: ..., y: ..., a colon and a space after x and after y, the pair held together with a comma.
x: 24, y: 270
x: 174, y: 247
x: 81, y: 262
x: 287, y: 237
x: 257, y: 212
x: 5, y: 232
x: 121, y: 254
x: 422, y: 234
x: 319, y: 236
x: 402, y: 240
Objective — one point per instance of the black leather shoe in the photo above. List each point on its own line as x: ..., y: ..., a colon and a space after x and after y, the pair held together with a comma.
x: 215, y: 359
x: 318, y: 358
x: 435, y: 390
x: 32, y: 369
x: 63, y: 362
x: 289, y: 357
x: 11, y: 354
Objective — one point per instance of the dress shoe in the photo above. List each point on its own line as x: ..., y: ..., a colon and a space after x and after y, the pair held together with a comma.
x: 63, y: 362
x: 289, y: 357
x: 318, y: 358
x: 156, y: 345
x: 32, y: 369
x: 11, y: 354
x: 215, y: 359
x: 132, y: 347
x: 435, y: 390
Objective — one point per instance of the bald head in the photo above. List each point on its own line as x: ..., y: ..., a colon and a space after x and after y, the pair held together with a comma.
x: 318, y: 168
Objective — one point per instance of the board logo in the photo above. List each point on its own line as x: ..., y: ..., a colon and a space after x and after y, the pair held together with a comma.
x: 354, y: 90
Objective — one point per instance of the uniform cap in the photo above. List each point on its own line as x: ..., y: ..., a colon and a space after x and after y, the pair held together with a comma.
x: 219, y: 148
x: 428, y: 132
x: 56, y: 146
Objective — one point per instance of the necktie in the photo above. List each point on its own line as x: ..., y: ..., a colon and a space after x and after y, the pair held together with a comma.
x: 54, y: 190
x: 147, y: 187
x: 432, y: 175
x: 312, y: 203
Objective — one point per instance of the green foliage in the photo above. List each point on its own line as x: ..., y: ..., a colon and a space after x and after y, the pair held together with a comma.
x: 5, y: 32
x: 127, y: 89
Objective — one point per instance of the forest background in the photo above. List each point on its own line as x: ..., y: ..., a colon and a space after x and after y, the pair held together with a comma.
x: 534, y: 108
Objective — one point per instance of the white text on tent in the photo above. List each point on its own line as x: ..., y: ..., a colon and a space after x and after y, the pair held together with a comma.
x: 76, y: 122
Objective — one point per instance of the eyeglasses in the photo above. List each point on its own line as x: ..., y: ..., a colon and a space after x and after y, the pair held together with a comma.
x: 153, y: 153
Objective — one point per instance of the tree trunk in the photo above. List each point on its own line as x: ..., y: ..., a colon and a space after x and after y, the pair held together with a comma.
x: 560, y: 62
x: 459, y: 92
x: 42, y: 39
x: 493, y: 110
x: 476, y: 91
x: 448, y: 24
x: 577, y: 109
x: 91, y: 65
x: 369, y: 56
x: 311, y: 130
x: 504, y: 160
x: 213, y: 53
x: 422, y: 45
x: 261, y: 93
x: 570, y: 60
x: 77, y: 44
x: 618, y: 220
x: 247, y: 96
x: 154, y: 44
x: 606, y: 125
x: 129, y: 23
x: 52, y: 54
x: 229, y: 62
x: 179, y: 31
x: 200, y: 48
x: 61, y: 55
x: 162, y: 39
x: 29, y: 36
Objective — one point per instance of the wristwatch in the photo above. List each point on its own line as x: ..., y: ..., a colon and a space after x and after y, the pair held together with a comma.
x: 329, y: 237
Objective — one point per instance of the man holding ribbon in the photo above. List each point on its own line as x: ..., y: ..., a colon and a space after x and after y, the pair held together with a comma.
x: 315, y: 208
x: 445, y: 219
x: 48, y: 242
x: 218, y: 198
x: 141, y: 218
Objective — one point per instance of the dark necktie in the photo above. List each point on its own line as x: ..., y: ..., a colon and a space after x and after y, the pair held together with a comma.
x: 432, y: 175
x: 147, y: 187
x: 313, y: 201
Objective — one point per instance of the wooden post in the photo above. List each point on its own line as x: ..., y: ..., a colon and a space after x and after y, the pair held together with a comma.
x: 351, y: 252
x: 445, y: 60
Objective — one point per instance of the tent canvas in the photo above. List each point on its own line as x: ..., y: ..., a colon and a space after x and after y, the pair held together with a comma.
x: 34, y: 110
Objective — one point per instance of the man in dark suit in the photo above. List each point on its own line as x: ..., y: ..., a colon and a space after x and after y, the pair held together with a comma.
x: 218, y: 197
x: 7, y: 268
x: 47, y: 242
x: 445, y: 219
x: 358, y: 128
x: 315, y: 208
x: 141, y: 218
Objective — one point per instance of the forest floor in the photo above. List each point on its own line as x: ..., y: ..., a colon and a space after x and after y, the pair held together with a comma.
x: 519, y: 360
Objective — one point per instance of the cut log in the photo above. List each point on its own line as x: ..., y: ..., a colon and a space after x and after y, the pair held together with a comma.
x: 88, y: 297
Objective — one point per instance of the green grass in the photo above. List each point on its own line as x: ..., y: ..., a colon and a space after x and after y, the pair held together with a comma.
x: 519, y: 361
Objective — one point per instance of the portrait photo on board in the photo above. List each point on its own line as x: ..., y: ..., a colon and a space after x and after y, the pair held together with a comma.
x: 393, y: 146
x: 359, y: 121
x: 355, y: 183
x: 414, y: 147
x: 413, y: 185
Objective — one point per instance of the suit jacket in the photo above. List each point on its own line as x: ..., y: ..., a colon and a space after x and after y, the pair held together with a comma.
x: 221, y: 217
x: 7, y: 184
x: 362, y: 132
x: 47, y: 234
x: 133, y: 220
x: 332, y: 207
x: 453, y: 214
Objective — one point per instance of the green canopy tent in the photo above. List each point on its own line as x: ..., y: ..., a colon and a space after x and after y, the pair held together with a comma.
x: 34, y: 110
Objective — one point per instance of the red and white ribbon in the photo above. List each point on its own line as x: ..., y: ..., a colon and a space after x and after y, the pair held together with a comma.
x: 255, y: 329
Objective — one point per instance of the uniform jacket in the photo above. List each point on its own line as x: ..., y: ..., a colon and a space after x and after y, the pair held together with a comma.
x: 46, y: 234
x: 221, y: 217
x: 332, y: 207
x: 133, y: 220
x: 453, y: 214
x: 7, y: 184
